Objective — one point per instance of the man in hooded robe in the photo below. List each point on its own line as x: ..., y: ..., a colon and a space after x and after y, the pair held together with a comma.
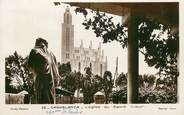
x: 43, y: 64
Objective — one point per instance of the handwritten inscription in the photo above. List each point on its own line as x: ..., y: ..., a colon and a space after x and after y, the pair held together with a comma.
x: 63, y: 111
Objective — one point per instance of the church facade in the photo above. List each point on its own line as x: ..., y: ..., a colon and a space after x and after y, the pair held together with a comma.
x: 80, y: 57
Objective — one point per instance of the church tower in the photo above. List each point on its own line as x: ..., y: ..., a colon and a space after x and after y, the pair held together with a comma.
x: 80, y: 57
x: 67, y: 40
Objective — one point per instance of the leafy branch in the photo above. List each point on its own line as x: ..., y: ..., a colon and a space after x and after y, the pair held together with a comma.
x: 159, y: 49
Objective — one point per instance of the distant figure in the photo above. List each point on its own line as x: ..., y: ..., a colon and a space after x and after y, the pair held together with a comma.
x: 43, y: 64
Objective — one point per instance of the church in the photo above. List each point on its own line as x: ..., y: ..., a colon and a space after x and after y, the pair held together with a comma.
x: 80, y: 57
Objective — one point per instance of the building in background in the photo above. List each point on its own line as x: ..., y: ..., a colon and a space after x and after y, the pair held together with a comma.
x: 80, y: 57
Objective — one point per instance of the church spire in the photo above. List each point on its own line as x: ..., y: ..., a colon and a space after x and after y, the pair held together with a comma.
x: 106, y: 59
x: 81, y: 45
x: 90, y: 45
x: 102, y: 53
x: 116, y: 72
x: 99, y: 47
x: 106, y: 62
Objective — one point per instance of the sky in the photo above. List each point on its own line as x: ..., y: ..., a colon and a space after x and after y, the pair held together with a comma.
x: 25, y: 20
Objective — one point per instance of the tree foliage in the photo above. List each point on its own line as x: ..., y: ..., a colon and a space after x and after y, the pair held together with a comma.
x: 69, y: 80
x: 160, y: 48
x: 88, y: 82
x: 64, y: 68
x: 16, y: 71
x: 152, y: 89
x: 157, y: 90
x: 120, y: 94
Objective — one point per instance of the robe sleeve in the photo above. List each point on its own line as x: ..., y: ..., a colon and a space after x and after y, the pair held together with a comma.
x: 57, y: 77
x: 36, y: 61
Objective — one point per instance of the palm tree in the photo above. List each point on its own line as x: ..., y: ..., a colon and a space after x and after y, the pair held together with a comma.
x: 120, y: 94
x: 121, y: 80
